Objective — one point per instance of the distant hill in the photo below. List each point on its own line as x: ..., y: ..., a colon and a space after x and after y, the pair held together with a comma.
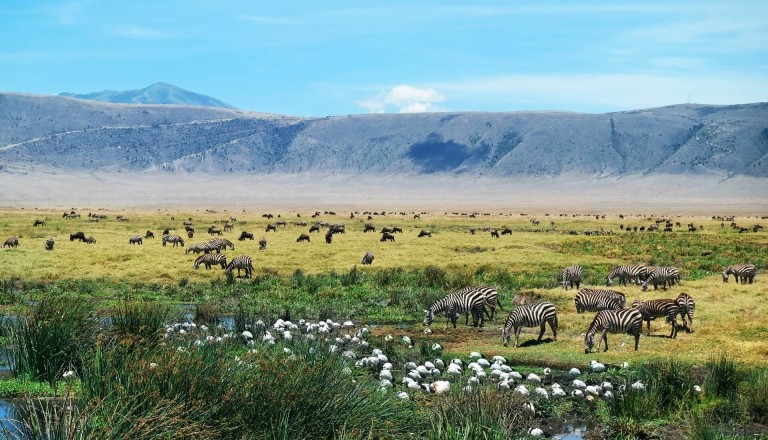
x: 158, y: 93
x: 53, y: 132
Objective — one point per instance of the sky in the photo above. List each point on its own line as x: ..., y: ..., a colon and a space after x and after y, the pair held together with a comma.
x: 331, y: 57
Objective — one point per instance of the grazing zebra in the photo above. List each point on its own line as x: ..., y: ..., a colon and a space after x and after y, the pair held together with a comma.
x: 221, y: 243
x: 624, y: 273
x: 49, y: 244
x: 572, y: 275
x: 136, y: 239
x: 655, y: 308
x: 174, y: 239
x: 368, y: 258
x: 262, y: 243
x: 242, y: 262
x: 687, y: 306
x: 595, y: 300
x: 210, y: 259
x: 663, y: 275
x: 11, y: 242
x: 628, y: 321
x: 531, y: 315
x: 741, y: 272
x: 90, y: 240
x: 458, y: 302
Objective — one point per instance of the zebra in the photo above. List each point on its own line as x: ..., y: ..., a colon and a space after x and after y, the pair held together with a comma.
x: 175, y: 239
x: 11, y: 242
x: 242, y: 262
x: 210, y: 259
x: 687, y: 306
x: 136, y: 239
x: 572, y: 275
x: 741, y: 272
x: 221, y: 243
x: 615, y: 321
x: 455, y: 303
x: 595, y: 300
x: 663, y: 275
x: 530, y: 316
x: 49, y: 244
x: 368, y: 258
x: 655, y: 308
x: 624, y: 273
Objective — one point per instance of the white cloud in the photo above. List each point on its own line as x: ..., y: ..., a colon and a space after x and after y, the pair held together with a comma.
x: 404, y: 99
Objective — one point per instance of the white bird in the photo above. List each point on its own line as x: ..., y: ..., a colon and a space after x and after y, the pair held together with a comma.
x: 536, y: 432
x: 573, y: 372
x: 533, y: 378
x: 440, y: 386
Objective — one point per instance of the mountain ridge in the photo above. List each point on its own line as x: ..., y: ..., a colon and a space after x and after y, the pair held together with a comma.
x: 61, y: 133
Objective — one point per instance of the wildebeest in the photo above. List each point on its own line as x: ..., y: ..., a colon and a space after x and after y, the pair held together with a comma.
x: 425, y: 233
x: 262, y: 243
x: 39, y: 223
x: 11, y: 242
x: 77, y: 236
x: 368, y: 258
x: 245, y: 236
x: 271, y: 227
x: 302, y: 237
x: 149, y: 234
x: 387, y: 236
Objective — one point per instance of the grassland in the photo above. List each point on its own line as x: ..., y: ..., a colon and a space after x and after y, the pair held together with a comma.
x: 316, y: 279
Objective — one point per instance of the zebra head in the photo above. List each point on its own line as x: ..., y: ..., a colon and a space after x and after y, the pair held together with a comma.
x: 429, y: 316
x: 589, y: 342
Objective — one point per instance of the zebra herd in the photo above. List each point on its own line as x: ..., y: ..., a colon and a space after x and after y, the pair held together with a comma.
x: 612, y: 316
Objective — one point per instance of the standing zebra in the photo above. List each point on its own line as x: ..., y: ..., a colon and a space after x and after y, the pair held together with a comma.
x: 210, y: 259
x: 741, y: 272
x: 221, y: 243
x: 242, y: 262
x: 174, y: 239
x: 456, y: 303
x: 655, y: 308
x: 615, y: 321
x: 687, y: 306
x: 595, y: 300
x: 624, y: 273
x: 572, y: 275
x: 530, y: 316
x: 663, y: 275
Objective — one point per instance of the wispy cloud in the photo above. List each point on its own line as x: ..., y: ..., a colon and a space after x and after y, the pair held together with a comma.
x: 404, y: 99
x: 140, y: 33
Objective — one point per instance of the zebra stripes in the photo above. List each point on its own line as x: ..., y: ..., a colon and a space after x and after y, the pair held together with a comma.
x: 741, y: 272
x: 595, y: 300
x: 655, y: 308
x: 242, y: 262
x: 614, y: 321
x: 174, y: 239
x: 466, y: 300
x: 663, y: 275
x: 687, y: 306
x: 627, y: 273
x: 209, y: 260
x: 530, y: 316
x: 572, y: 275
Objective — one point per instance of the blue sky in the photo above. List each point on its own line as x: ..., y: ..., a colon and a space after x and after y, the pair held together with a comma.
x: 317, y: 58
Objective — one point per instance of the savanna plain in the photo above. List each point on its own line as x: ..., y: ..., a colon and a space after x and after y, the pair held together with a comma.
x: 132, y: 340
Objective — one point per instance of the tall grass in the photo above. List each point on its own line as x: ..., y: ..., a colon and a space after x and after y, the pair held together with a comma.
x: 52, y: 338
